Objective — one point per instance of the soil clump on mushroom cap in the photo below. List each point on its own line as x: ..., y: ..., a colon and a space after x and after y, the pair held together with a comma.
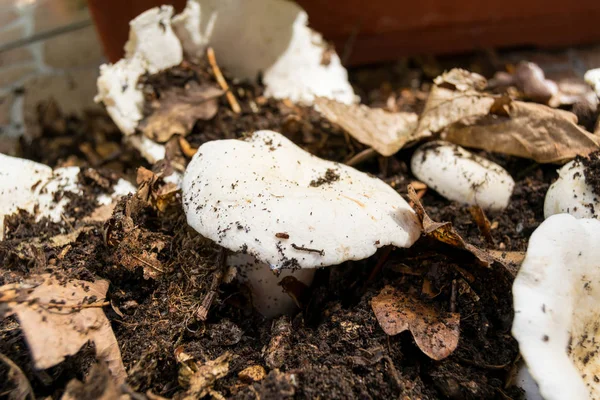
x: 592, y: 171
x: 336, y: 348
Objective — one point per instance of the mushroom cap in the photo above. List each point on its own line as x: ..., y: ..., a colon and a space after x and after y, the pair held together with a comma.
x: 461, y: 176
x: 271, y: 37
x: 31, y: 186
x: 592, y: 77
x: 18, y: 177
x: 556, y: 296
x: 267, y: 197
x: 152, y: 47
x: 571, y: 194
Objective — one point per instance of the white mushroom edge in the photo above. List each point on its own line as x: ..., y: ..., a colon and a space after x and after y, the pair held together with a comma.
x: 570, y: 194
x: 461, y: 176
x: 266, y: 197
x: 556, y: 296
x: 31, y: 186
x: 250, y: 37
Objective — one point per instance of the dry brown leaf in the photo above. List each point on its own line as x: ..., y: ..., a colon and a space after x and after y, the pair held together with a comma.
x: 525, y: 130
x: 178, y: 109
x: 22, y: 388
x: 444, y: 232
x: 512, y: 260
x: 140, y: 248
x: 58, y: 317
x: 457, y: 94
x: 98, y: 386
x: 435, y: 333
x: 198, y: 377
x: 384, y: 131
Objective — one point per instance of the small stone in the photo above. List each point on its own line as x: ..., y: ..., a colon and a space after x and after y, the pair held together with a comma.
x: 253, y: 373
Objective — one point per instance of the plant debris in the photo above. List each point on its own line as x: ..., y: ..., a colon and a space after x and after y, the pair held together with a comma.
x: 175, y: 110
x: 457, y: 94
x: 444, y: 232
x: 199, y: 377
x: 58, y: 316
x: 526, y: 130
x: 386, y: 132
x: 435, y: 333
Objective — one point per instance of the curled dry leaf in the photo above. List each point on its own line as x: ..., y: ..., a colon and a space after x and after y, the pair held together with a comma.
x: 435, y: 333
x: 198, y: 377
x: 22, y: 388
x: 444, y: 232
x: 98, y: 385
x: 57, y: 317
x: 178, y: 109
x: 457, y: 94
x: 384, y: 131
x: 525, y: 130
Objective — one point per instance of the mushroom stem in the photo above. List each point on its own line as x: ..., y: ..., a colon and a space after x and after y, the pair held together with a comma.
x: 268, y: 296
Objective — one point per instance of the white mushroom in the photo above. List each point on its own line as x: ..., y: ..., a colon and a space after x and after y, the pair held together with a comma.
x: 31, y: 186
x: 592, y: 77
x: 250, y: 37
x: 152, y: 47
x: 571, y: 194
x: 269, y: 37
x: 266, y: 197
x: 267, y: 296
x: 461, y: 176
x: 556, y: 296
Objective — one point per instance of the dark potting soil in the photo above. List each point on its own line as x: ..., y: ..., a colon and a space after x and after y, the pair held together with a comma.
x: 334, y: 348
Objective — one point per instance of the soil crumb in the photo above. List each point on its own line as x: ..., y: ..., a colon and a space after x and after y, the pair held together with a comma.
x: 592, y: 171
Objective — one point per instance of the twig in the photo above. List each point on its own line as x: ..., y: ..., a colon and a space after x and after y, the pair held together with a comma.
x: 24, y: 389
x: 149, y: 264
x: 302, y: 248
x: 202, y: 312
x: 482, y: 223
x: 235, y: 106
x: 361, y: 157
x: 453, y: 296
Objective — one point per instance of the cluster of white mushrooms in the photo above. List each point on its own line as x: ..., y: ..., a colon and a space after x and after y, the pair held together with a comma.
x: 277, y: 208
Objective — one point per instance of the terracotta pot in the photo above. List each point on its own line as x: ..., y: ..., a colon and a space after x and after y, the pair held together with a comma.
x: 379, y: 30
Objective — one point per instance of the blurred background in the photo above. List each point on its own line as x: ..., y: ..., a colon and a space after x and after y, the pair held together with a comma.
x: 52, y: 48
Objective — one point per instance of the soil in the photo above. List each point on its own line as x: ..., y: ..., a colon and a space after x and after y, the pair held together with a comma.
x: 592, y: 171
x: 334, y: 347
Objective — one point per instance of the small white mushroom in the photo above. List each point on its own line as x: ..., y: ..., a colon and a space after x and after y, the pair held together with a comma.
x: 269, y: 37
x: 266, y: 197
x: 152, y: 47
x: 592, y: 77
x: 461, y: 176
x: 31, y: 186
x: 557, y: 319
x: 571, y: 194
